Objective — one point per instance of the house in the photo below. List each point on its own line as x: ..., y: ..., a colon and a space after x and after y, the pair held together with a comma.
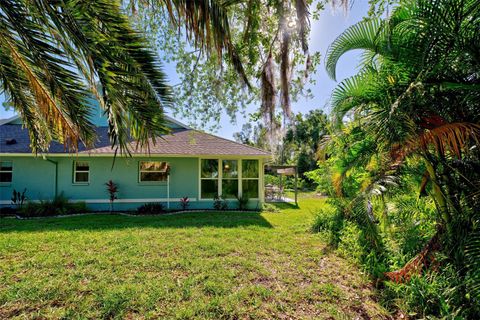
x: 185, y: 163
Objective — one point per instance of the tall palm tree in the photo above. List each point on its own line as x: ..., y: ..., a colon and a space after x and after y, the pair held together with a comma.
x: 54, y: 55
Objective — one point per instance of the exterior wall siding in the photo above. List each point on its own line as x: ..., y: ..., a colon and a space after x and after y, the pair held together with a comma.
x: 34, y: 174
x: 38, y: 175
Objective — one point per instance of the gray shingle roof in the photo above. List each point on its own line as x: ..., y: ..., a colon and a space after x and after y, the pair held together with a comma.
x: 186, y: 142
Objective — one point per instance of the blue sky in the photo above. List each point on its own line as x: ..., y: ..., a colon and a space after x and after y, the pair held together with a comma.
x: 324, y: 31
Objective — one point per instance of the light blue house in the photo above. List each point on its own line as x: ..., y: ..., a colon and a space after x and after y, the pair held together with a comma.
x: 185, y: 163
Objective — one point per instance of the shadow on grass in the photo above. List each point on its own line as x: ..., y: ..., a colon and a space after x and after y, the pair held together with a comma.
x: 115, y: 221
x: 285, y: 205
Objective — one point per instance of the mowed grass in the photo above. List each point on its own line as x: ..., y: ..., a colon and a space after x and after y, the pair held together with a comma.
x: 196, y: 265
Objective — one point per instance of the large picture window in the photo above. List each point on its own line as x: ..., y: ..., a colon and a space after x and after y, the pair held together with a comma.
x: 6, y: 171
x: 250, y: 178
x: 81, y: 172
x: 153, y: 171
x: 209, y: 178
x: 229, y: 178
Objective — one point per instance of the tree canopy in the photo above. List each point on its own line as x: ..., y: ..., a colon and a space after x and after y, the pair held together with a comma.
x: 268, y: 39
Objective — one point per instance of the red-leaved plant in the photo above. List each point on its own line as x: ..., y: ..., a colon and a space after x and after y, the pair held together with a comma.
x: 112, y: 190
x: 184, y: 202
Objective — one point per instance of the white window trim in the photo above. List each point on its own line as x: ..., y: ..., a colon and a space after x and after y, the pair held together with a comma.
x: 80, y: 171
x: 7, y: 183
x: 139, y: 178
x: 257, y: 178
x: 238, y: 177
x: 219, y: 178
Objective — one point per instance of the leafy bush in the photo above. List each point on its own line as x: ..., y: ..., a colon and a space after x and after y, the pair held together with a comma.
x: 271, y: 179
x: 433, y: 294
x: 268, y: 207
x: 151, y: 208
x: 324, y: 220
x: 55, y: 207
x: 220, y: 203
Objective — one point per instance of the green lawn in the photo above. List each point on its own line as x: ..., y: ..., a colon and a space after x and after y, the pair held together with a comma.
x: 198, y: 265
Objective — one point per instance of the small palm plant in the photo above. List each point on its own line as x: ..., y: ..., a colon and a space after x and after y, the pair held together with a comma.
x: 18, y: 198
x: 112, y: 190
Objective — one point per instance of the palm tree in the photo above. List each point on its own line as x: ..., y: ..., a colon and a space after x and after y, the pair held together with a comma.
x: 416, y: 95
x: 54, y: 55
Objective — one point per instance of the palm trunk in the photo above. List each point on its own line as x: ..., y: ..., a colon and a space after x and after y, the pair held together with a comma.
x: 439, y: 196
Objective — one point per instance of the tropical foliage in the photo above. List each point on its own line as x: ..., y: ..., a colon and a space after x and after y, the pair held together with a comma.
x: 299, y: 146
x: 411, y: 117
x: 58, y: 57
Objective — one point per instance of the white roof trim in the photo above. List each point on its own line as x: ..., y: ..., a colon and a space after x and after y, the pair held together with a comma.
x: 168, y: 118
x: 8, y: 120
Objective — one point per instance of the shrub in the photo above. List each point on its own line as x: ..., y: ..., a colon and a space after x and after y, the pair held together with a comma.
x: 434, y: 294
x: 112, y: 189
x: 184, y: 203
x: 271, y: 179
x: 219, y: 203
x: 268, y: 207
x: 324, y: 220
x: 242, y: 202
x: 151, y: 208
x: 55, y: 207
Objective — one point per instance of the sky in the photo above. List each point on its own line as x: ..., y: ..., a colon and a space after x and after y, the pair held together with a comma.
x: 324, y: 31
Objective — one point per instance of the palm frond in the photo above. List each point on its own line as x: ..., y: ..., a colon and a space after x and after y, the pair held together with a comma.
x: 351, y: 93
x: 364, y: 35
x: 58, y: 46
x: 134, y: 89
x: 423, y: 260
x: 44, y: 74
x: 208, y: 23
x: 453, y: 138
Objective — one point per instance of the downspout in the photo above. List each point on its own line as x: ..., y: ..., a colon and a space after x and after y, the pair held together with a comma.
x: 56, y: 174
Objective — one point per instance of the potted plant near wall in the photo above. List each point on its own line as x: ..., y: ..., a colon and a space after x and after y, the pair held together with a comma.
x: 112, y: 190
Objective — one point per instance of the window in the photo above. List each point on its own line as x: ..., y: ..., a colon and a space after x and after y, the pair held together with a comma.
x: 230, y: 178
x: 6, y: 171
x: 209, y: 178
x: 153, y: 171
x: 81, y: 172
x: 250, y: 178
